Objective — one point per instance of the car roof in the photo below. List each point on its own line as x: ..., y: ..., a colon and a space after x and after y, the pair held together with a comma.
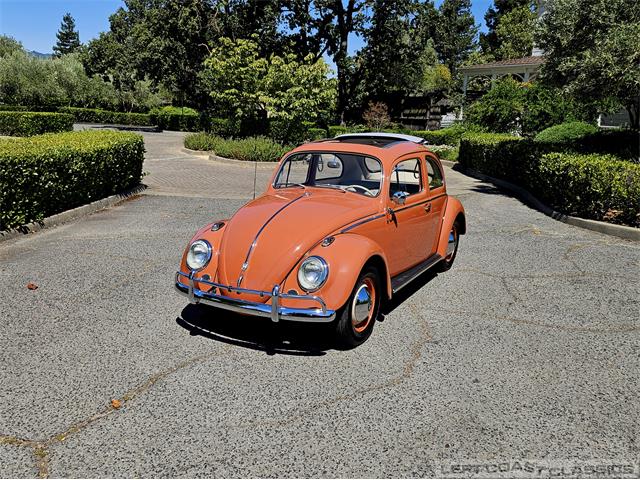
x: 385, y: 147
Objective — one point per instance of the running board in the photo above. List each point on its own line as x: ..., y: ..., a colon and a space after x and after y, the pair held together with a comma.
x: 403, y: 279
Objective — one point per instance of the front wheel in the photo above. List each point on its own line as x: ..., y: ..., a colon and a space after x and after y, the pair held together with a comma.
x: 356, y: 319
x: 452, y: 249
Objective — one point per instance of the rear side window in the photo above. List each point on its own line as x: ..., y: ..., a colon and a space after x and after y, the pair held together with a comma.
x: 434, y: 174
x: 406, y: 177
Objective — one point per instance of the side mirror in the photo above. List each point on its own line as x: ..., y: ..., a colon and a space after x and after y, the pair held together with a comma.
x: 333, y: 163
x: 399, y: 198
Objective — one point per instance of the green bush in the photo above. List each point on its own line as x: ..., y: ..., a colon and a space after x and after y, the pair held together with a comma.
x: 501, y: 108
x: 252, y: 149
x: 565, y: 133
x: 497, y: 154
x: 96, y: 115
x: 601, y: 187
x: 182, y: 119
x: 316, y: 134
x: 448, y: 136
x: 335, y: 130
x: 292, y: 131
x: 46, y: 174
x: 583, y: 137
x: 13, y: 108
x: 445, y: 152
x: 25, y: 124
x: 224, y: 127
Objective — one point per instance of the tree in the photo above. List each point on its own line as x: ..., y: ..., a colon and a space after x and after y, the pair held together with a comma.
x: 8, y: 45
x: 490, y: 42
x: 601, y: 62
x: 455, y: 33
x: 376, y: 116
x: 243, y: 84
x: 388, y: 58
x: 321, y: 26
x: 514, y: 33
x: 68, y: 37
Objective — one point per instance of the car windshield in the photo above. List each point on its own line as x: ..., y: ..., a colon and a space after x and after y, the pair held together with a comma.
x: 347, y: 172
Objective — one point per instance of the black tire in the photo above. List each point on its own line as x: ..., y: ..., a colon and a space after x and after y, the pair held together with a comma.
x: 447, y: 261
x: 350, y: 333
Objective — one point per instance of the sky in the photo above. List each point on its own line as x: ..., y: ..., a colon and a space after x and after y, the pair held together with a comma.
x: 35, y: 22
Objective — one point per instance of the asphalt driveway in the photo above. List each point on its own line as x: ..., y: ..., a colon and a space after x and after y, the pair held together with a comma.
x: 521, y: 360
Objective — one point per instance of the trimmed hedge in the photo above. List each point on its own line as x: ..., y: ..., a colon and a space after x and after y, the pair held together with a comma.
x: 252, y: 149
x: 25, y: 124
x: 585, y: 138
x: 96, y: 115
x: 183, y: 119
x: 448, y: 136
x: 601, y: 187
x: 47, y: 174
x: 565, y: 133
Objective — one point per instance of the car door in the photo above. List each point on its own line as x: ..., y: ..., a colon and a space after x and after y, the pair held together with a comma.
x: 436, y: 204
x: 407, y: 241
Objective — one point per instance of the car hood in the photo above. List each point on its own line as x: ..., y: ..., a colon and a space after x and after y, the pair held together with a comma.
x: 282, y: 228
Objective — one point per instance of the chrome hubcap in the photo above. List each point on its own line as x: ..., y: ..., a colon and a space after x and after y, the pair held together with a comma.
x: 451, y: 245
x: 362, y: 305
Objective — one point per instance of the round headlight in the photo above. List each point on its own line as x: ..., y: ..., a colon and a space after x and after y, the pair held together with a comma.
x: 199, y: 255
x: 312, y: 273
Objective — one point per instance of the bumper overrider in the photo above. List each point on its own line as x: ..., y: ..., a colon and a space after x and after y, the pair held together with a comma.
x: 185, y: 284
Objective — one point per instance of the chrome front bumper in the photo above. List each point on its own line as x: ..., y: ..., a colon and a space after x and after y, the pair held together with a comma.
x: 185, y: 284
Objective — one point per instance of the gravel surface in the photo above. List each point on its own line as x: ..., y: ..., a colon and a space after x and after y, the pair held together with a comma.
x: 524, y: 356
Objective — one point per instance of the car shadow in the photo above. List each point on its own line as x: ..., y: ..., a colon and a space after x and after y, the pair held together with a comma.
x: 257, y: 333
x: 407, y: 292
x: 284, y: 338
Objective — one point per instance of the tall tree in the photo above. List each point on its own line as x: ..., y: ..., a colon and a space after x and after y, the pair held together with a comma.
x: 515, y: 33
x: 165, y: 41
x: 601, y: 62
x: 325, y: 25
x: 455, y: 33
x: 490, y: 42
x: 68, y: 37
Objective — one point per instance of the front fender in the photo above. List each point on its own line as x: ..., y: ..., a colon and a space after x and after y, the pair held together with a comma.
x: 346, y: 257
x: 454, y: 211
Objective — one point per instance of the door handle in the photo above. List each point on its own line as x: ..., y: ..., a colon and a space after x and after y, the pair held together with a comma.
x: 427, y: 207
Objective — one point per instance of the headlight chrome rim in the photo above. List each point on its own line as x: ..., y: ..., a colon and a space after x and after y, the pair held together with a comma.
x: 324, y: 274
x: 208, y: 251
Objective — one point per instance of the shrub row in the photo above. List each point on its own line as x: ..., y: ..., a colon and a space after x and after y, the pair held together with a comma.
x: 253, y: 149
x: 448, y: 136
x: 597, y: 186
x: 96, y: 115
x: 46, y: 174
x: 25, y: 124
x: 182, y: 119
x: 585, y: 138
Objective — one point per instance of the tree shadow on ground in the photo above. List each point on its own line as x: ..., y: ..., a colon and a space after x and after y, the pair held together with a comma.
x: 285, y: 338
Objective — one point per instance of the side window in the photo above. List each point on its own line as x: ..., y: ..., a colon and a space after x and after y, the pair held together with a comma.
x: 328, y: 166
x: 406, y: 177
x: 434, y: 174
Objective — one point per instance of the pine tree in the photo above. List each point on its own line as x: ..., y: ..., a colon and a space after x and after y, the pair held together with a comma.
x: 68, y: 37
x: 455, y: 33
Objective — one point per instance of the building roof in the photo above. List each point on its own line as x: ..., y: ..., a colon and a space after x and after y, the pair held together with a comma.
x: 513, y: 62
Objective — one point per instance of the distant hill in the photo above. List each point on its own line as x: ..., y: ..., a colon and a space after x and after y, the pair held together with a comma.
x: 39, y: 55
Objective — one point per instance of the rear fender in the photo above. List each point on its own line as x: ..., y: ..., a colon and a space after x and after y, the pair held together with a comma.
x: 346, y: 257
x: 454, y: 212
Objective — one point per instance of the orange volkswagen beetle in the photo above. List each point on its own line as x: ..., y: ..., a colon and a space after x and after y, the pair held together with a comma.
x: 344, y: 224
